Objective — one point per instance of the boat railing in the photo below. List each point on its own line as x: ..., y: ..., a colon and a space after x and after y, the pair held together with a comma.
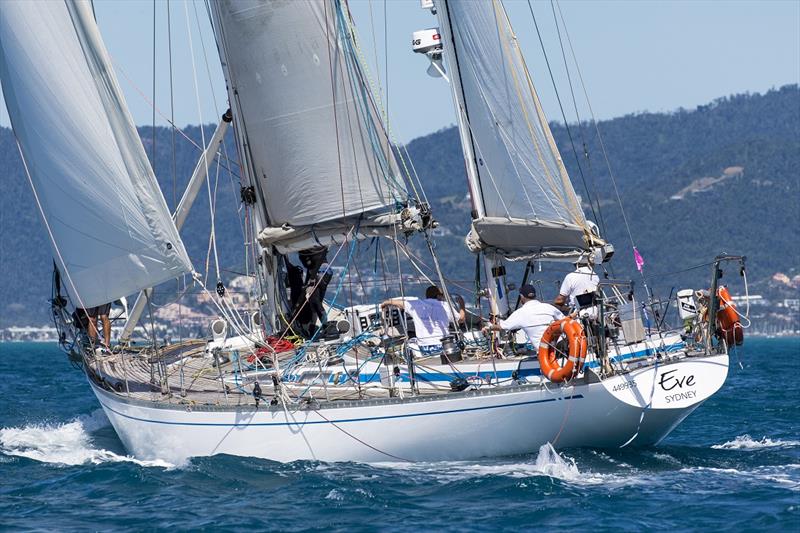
x: 713, y: 299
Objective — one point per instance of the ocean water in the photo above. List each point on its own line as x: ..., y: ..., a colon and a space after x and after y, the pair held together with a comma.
x: 732, y: 465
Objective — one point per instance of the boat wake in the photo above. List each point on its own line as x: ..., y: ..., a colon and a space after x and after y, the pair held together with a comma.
x: 785, y: 476
x: 548, y: 463
x: 67, y: 443
x: 746, y: 442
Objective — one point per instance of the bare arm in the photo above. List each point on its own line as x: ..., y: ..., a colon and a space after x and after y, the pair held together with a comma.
x: 400, y: 304
x: 462, y: 310
x: 560, y: 303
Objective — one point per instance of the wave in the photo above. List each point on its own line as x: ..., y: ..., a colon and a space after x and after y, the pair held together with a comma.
x: 746, y: 442
x: 548, y: 463
x: 784, y: 476
x: 67, y: 443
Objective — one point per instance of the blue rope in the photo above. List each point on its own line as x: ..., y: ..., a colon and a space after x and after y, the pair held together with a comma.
x: 359, y: 88
x: 300, y: 355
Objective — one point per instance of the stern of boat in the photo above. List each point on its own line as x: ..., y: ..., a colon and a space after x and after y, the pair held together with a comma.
x: 667, y: 392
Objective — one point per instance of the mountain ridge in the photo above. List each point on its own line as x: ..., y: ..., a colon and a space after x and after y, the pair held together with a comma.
x: 654, y: 156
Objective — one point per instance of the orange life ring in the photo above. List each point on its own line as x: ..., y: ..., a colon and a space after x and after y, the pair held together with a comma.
x: 728, y: 319
x: 577, y: 350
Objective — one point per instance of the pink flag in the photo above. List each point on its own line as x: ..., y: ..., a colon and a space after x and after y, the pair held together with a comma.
x: 637, y: 257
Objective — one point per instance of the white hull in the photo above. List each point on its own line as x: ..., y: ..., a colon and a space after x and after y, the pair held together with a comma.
x: 637, y: 408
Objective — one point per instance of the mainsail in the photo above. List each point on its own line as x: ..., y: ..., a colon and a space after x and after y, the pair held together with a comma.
x: 311, y: 133
x: 525, y: 204
x: 110, y: 228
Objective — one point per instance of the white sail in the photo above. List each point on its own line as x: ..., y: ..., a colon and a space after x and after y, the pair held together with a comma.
x: 525, y: 203
x: 313, y: 136
x: 111, y: 230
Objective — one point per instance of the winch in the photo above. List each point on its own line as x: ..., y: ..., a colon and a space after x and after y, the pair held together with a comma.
x: 451, y: 351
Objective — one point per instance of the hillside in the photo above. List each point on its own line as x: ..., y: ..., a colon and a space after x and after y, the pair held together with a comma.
x: 754, y: 212
x: 722, y: 177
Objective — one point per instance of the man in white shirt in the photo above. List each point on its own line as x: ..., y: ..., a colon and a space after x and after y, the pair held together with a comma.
x: 532, y: 317
x: 431, y: 317
x: 582, y: 281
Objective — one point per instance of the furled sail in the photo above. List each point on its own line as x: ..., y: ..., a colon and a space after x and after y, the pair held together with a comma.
x: 525, y: 203
x: 109, y: 224
x: 317, y: 149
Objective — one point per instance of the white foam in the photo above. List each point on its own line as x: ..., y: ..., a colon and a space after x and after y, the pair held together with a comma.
x: 746, y: 442
x: 784, y: 475
x: 334, y: 495
x: 548, y: 463
x: 69, y: 443
x: 666, y: 458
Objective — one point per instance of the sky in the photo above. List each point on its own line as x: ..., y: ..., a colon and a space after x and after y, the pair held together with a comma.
x: 634, y: 56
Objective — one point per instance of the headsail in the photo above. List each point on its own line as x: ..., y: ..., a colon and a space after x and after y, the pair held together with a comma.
x: 525, y: 203
x: 111, y: 230
x: 317, y: 149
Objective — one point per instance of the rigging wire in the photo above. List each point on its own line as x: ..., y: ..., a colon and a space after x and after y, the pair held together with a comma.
x: 374, y: 102
x: 386, y: 70
x: 223, y: 147
x: 203, y: 138
x: 153, y: 157
x: 181, y: 282
x: 597, y: 130
x: 118, y: 68
x: 171, y: 108
x: 601, y: 220
x: 563, y: 114
x: 327, y: 23
x: 371, y: 105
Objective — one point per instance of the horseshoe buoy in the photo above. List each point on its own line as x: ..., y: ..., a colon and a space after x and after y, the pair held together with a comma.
x: 548, y: 360
x: 728, y: 319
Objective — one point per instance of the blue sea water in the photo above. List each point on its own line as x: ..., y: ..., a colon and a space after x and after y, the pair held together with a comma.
x: 732, y: 465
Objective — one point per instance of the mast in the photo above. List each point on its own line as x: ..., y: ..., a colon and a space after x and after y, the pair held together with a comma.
x: 317, y: 151
x: 268, y: 265
x: 524, y: 204
x: 498, y: 298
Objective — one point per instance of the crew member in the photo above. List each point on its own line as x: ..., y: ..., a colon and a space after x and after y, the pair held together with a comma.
x: 86, y: 320
x: 582, y: 280
x: 532, y: 317
x: 307, y: 294
x: 431, y: 316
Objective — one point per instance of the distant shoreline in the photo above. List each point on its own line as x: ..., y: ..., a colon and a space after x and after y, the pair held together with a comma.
x: 795, y: 336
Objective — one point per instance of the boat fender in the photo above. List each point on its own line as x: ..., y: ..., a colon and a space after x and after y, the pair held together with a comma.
x: 548, y: 360
x: 729, y: 326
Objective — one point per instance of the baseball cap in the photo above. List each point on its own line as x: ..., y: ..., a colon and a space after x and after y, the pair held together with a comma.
x: 528, y: 291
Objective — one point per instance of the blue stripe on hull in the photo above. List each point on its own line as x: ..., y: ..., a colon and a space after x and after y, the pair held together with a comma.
x: 346, y: 420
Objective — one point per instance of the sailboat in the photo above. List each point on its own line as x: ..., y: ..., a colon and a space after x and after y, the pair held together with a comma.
x: 320, y: 173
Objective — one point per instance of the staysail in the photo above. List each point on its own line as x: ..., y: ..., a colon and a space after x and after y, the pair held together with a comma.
x: 525, y: 204
x: 110, y: 228
x: 312, y: 135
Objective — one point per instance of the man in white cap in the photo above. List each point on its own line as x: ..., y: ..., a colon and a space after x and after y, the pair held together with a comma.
x: 532, y: 317
x: 582, y: 280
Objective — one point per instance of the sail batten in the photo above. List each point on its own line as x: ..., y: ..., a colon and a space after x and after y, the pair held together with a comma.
x: 526, y: 204
x: 315, y: 141
x: 110, y: 226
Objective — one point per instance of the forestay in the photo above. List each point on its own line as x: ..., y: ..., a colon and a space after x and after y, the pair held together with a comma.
x: 111, y: 230
x: 317, y: 149
x: 525, y: 201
